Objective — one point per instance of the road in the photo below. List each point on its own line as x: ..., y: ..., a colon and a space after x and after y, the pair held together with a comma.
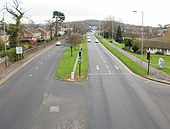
x: 34, y: 99
x: 117, y: 99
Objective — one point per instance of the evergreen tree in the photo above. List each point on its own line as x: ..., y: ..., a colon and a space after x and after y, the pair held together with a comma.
x: 119, y: 35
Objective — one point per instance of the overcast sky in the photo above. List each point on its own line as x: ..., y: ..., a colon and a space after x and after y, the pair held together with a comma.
x: 155, y: 12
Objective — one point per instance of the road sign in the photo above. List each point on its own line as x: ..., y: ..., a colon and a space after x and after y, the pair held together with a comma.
x: 19, y: 50
x: 161, y: 63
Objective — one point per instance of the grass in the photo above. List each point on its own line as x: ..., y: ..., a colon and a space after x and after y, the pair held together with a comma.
x: 67, y: 62
x: 128, y: 62
x: 84, y: 65
x: 154, y: 61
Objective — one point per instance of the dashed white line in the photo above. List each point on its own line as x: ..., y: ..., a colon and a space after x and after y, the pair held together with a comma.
x: 36, y: 68
x: 107, y: 67
x: 109, y: 72
x: 116, y: 67
x: 41, y: 62
x: 30, y: 75
x: 104, y: 61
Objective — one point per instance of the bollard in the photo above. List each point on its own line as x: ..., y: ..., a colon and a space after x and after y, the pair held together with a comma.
x: 72, y: 75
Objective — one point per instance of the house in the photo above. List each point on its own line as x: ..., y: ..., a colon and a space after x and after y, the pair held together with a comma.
x: 157, y: 45
x: 44, y: 33
x: 30, y: 34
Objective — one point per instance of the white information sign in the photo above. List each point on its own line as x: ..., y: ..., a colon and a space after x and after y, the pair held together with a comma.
x: 19, y: 50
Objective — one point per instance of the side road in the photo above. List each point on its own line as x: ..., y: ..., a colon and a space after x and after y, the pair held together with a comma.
x: 158, y: 75
x: 19, y: 64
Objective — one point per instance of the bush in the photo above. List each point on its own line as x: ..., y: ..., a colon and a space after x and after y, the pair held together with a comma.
x: 106, y: 34
x: 128, y: 42
x: 3, y: 54
x: 47, y: 40
x: 11, y: 53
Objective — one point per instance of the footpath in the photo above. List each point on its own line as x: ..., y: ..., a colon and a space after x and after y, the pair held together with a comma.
x: 157, y: 75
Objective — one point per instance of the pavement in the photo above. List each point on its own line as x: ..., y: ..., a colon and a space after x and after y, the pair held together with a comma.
x: 121, y: 100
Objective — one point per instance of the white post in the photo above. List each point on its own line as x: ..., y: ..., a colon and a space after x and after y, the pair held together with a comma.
x: 72, y: 75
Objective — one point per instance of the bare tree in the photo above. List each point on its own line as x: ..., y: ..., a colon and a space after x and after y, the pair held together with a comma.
x: 73, y: 40
x: 17, y: 12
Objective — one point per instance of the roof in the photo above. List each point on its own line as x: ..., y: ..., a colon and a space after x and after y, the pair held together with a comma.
x: 159, y: 42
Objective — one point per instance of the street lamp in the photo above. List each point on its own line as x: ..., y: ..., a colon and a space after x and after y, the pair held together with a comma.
x: 142, y: 31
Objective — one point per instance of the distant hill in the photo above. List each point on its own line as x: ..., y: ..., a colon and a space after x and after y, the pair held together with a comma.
x: 87, y: 22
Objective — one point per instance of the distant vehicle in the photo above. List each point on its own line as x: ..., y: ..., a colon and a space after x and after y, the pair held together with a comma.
x: 88, y: 37
x: 58, y: 44
x: 96, y: 41
x: 88, y: 40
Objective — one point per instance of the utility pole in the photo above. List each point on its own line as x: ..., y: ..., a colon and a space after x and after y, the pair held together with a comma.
x: 99, y: 27
x: 142, y: 31
x: 6, y: 62
x: 4, y: 29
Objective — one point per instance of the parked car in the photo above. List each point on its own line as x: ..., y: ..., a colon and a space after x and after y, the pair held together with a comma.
x: 58, y: 44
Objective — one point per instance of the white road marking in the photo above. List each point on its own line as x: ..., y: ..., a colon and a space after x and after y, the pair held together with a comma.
x: 116, y: 67
x: 30, y: 75
x: 97, y: 67
x: 37, y: 68
x: 107, y: 66
x: 54, y: 109
x: 41, y: 62
x: 45, y: 58
x: 104, y: 61
x: 109, y: 72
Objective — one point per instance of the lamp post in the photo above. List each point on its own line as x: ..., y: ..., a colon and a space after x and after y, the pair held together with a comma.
x: 142, y: 32
x: 99, y: 27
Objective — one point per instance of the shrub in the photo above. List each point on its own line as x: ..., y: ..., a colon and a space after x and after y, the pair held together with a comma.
x: 3, y: 54
x: 128, y: 42
x: 11, y: 53
x: 106, y: 34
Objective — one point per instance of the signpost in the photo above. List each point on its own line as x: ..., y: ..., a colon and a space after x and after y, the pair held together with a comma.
x: 80, y: 60
x: 148, y: 58
x: 161, y: 63
x: 19, y: 51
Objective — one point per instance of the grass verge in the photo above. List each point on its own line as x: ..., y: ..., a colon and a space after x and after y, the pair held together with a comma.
x: 128, y: 62
x: 84, y: 65
x: 67, y: 62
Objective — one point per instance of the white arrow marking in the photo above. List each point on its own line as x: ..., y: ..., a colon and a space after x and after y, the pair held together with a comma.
x: 97, y: 67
